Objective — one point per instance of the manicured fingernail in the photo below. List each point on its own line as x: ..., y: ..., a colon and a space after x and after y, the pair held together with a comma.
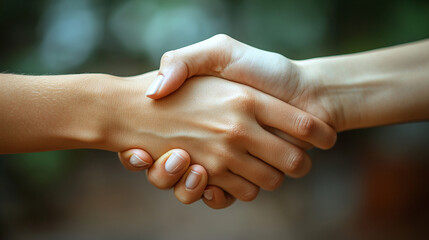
x: 174, y: 163
x: 136, y: 161
x: 193, y: 179
x: 208, y: 194
x: 154, y: 87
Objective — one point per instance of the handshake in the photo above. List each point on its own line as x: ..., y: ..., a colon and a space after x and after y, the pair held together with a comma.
x: 222, y: 118
x: 243, y: 136
x: 239, y: 138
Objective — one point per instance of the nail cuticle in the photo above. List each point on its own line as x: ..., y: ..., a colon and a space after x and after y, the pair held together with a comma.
x: 208, y: 194
x: 192, y: 180
x: 136, y: 161
x: 174, y: 163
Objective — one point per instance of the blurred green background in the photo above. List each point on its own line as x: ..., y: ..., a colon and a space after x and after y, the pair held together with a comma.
x: 372, y: 185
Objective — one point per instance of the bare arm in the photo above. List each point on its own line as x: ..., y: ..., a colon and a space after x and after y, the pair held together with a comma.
x: 221, y: 124
x: 374, y: 88
x: 40, y: 113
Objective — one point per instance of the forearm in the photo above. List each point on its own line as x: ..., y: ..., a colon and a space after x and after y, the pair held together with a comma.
x: 40, y: 113
x: 375, y: 88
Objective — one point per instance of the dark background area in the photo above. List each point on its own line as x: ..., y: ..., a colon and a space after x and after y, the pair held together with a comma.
x: 372, y: 185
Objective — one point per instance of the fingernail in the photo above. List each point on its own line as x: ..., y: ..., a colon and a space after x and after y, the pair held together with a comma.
x: 136, y: 161
x: 208, y: 194
x: 192, y: 180
x: 154, y: 87
x: 174, y: 163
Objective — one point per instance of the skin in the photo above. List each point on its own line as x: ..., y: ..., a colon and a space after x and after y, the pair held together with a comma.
x: 221, y: 124
x: 213, y: 196
x: 330, y: 88
x: 374, y: 88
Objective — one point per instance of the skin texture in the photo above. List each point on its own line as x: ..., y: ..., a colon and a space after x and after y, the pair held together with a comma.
x: 343, y: 91
x: 380, y: 87
x: 221, y: 125
x: 367, y: 89
x: 217, y: 122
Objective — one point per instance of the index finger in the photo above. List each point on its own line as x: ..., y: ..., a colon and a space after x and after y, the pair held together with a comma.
x: 275, y: 113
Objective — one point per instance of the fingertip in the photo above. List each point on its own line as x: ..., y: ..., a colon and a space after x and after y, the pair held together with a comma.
x: 184, y: 155
x: 198, y: 168
x: 216, y: 198
x: 192, y: 185
x: 327, y: 143
x: 173, y: 76
x: 135, y: 159
x: 303, y: 169
x: 155, y: 86
x: 325, y: 136
x: 332, y: 140
x: 169, y: 168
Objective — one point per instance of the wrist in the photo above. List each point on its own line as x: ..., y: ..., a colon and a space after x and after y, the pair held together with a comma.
x: 316, y: 78
x: 345, y: 89
x: 128, y: 119
x: 369, y: 89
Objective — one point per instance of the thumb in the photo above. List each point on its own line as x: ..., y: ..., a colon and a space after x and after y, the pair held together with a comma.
x: 135, y: 159
x: 209, y: 57
x: 169, y: 79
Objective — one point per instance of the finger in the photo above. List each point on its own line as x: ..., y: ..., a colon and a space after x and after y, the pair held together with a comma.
x: 297, y: 123
x: 169, y: 168
x: 208, y: 57
x: 191, y: 186
x: 237, y: 186
x: 280, y: 154
x: 216, y: 198
x: 257, y: 172
x: 135, y: 159
x: 289, y: 138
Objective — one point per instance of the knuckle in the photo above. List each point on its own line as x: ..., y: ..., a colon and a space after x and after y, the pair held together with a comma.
x: 216, y: 169
x: 295, y: 161
x: 275, y: 181
x: 249, y: 194
x: 244, y: 100
x: 243, y: 104
x: 168, y: 57
x: 235, y: 132
x: 304, y: 125
x: 221, y: 37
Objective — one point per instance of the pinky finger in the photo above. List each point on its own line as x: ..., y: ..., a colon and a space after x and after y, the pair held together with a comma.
x: 217, y: 198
